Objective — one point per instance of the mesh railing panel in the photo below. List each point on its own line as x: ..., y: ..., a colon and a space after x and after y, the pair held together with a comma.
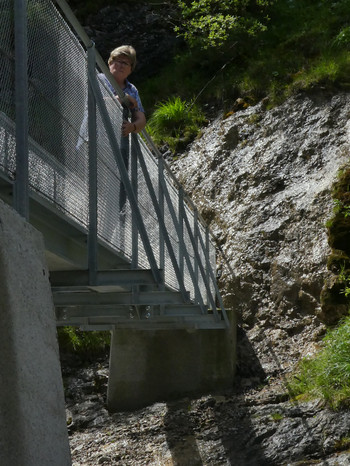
x: 59, y: 148
x: 110, y: 226
x: 7, y: 70
x: 57, y: 98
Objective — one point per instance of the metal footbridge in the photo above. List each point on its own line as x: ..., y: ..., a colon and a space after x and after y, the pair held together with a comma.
x: 125, y: 246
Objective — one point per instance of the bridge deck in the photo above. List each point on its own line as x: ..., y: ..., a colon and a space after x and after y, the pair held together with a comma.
x: 124, y: 245
x: 116, y: 296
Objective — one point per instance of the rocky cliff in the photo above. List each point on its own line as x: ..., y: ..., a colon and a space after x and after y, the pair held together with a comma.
x: 263, y: 179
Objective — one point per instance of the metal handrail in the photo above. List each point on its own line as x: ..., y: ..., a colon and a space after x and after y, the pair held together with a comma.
x: 124, y: 176
x: 71, y: 18
x: 21, y: 104
x: 190, y: 255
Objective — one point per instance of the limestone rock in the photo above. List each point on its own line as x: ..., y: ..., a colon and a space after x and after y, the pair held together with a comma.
x: 265, y: 177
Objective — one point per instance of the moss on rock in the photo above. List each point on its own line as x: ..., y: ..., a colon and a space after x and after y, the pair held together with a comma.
x: 334, y: 302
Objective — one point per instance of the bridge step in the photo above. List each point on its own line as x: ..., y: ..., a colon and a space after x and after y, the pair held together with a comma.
x: 124, y: 299
x: 92, y: 298
x: 121, y: 279
x: 153, y: 323
x: 144, y: 313
x: 127, y: 310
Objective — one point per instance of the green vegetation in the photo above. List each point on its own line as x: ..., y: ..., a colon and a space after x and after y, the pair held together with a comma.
x: 251, y: 49
x: 299, y: 45
x: 211, y: 23
x: 344, y: 277
x: 335, y: 298
x: 73, y: 340
x: 276, y: 417
x: 328, y: 374
x: 339, y: 230
x: 175, y: 122
x: 343, y: 443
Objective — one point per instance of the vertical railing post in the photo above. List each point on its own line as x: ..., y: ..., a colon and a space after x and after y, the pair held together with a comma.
x: 21, y: 187
x: 207, y: 260
x: 196, y: 266
x: 92, y: 235
x: 134, y: 183
x: 124, y: 149
x: 181, y: 230
x: 161, y: 208
x: 125, y: 179
x: 160, y: 216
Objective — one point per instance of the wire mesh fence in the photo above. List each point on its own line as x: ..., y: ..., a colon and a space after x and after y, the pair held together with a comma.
x: 58, y: 142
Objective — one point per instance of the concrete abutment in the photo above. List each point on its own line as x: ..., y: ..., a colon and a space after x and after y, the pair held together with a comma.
x: 33, y: 429
x: 147, y: 366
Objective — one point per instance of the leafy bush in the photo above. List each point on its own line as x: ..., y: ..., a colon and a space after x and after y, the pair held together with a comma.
x: 327, y: 375
x: 175, y: 122
x: 298, y: 47
x: 343, y: 38
x: 211, y: 23
x: 344, y: 278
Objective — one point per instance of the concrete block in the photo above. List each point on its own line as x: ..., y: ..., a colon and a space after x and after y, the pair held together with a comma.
x: 160, y: 365
x: 33, y: 428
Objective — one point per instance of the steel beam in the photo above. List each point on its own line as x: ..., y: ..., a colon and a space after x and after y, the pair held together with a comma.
x: 162, y: 322
x: 91, y: 298
x: 127, y: 311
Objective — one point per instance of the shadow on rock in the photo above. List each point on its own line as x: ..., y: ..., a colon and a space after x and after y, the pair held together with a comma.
x: 193, y: 427
x: 249, y: 369
x: 180, y: 434
x: 241, y: 442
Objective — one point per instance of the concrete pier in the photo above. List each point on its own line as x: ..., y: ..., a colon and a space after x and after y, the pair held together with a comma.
x: 33, y: 428
x: 148, y: 366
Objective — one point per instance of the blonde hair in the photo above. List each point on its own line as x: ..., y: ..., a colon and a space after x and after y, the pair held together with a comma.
x: 126, y: 50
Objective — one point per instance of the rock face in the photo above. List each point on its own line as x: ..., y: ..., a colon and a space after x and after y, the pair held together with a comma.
x: 264, y: 178
x: 249, y: 428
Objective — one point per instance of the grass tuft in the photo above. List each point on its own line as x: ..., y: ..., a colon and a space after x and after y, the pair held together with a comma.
x: 176, y: 123
x: 326, y: 376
